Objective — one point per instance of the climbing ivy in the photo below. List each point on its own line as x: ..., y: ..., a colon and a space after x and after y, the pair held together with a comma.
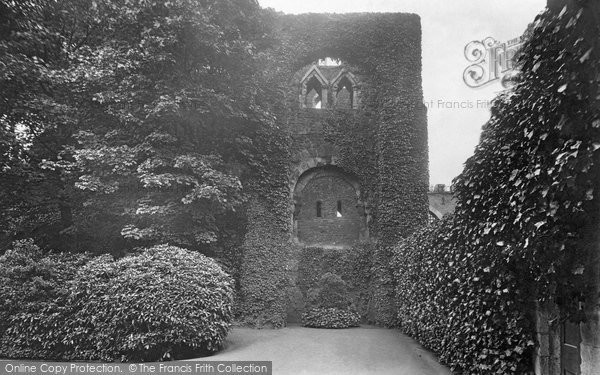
x: 384, y: 142
x: 532, y: 184
x: 527, y: 211
x: 465, y: 303
x: 354, y: 135
x: 352, y: 265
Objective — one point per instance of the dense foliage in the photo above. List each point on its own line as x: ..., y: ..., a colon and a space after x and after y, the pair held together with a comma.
x: 264, y: 280
x: 321, y: 317
x: 131, y: 124
x: 384, y: 143
x: 329, y: 305
x: 33, y: 292
x: 466, y: 304
x: 164, y: 303
x: 527, y: 215
x: 352, y: 265
x: 134, y: 123
x: 532, y: 184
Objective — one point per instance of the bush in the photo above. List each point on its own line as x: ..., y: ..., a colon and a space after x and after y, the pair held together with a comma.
x: 164, y: 303
x: 319, y: 317
x: 352, y: 265
x: 33, y: 294
x: 330, y: 293
x: 329, y: 305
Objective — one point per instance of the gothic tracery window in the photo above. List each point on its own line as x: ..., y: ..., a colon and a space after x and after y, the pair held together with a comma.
x: 328, y: 86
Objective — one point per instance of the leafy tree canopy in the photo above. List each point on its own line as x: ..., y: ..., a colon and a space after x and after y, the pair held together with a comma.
x: 129, y: 123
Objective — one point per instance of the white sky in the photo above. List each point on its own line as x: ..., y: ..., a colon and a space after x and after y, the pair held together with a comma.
x: 447, y: 26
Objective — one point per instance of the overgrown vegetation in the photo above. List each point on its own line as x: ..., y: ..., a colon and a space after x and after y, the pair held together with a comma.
x: 330, y: 317
x: 388, y: 129
x: 528, y: 208
x: 162, y: 304
x: 133, y: 123
x: 33, y: 293
x: 353, y: 266
x: 467, y: 304
x: 329, y: 305
x: 139, y: 123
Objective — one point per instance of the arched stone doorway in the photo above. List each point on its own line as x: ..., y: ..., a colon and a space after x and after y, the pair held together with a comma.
x: 328, y: 210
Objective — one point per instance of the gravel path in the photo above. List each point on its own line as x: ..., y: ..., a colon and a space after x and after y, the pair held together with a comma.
x: 299, y: 350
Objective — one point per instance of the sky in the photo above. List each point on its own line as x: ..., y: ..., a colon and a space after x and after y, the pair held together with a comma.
x: 456, y: 112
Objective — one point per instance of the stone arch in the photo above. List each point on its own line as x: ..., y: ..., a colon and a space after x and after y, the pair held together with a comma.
x: 345, y: 90
x: 329, y: 84
x: 306, y: 164
x: 327, y: 208
x: 313, y: 85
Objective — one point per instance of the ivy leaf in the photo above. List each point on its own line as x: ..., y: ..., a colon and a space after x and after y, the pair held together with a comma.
x: 562, y: 12
x: 586, y: 55
x: 562, y: 88
x: 589, y: 195
x: 519, y: 349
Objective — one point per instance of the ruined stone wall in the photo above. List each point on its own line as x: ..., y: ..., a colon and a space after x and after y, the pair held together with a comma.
x: 376, y: 133
x: 319, y: 222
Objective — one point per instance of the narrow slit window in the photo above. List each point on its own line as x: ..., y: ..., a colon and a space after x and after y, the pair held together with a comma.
x: 339, y: 209
x: 319, y: 207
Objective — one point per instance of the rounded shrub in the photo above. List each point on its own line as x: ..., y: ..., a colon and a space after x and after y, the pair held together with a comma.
x: 165, y: 303
x: 329, y: 305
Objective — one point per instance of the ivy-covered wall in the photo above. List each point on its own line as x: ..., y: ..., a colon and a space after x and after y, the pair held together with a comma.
x: 264, y: 279
x: 383, y: 142
x: 352, y: 265
x: 525, y: 227
x: 267, y: 246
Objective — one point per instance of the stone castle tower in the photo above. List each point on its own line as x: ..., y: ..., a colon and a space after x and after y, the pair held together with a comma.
x: 356, y: 132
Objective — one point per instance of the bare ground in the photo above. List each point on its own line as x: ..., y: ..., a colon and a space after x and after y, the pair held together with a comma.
x: 299, y: 350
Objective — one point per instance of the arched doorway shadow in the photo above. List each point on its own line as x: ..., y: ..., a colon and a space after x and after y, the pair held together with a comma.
x: 328, y: 211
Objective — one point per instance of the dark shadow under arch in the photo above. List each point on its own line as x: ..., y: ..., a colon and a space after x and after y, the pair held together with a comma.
x: 328, y: 210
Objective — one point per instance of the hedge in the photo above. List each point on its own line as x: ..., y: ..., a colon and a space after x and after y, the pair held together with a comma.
x: 467, y: 304
x: 526, y: 216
